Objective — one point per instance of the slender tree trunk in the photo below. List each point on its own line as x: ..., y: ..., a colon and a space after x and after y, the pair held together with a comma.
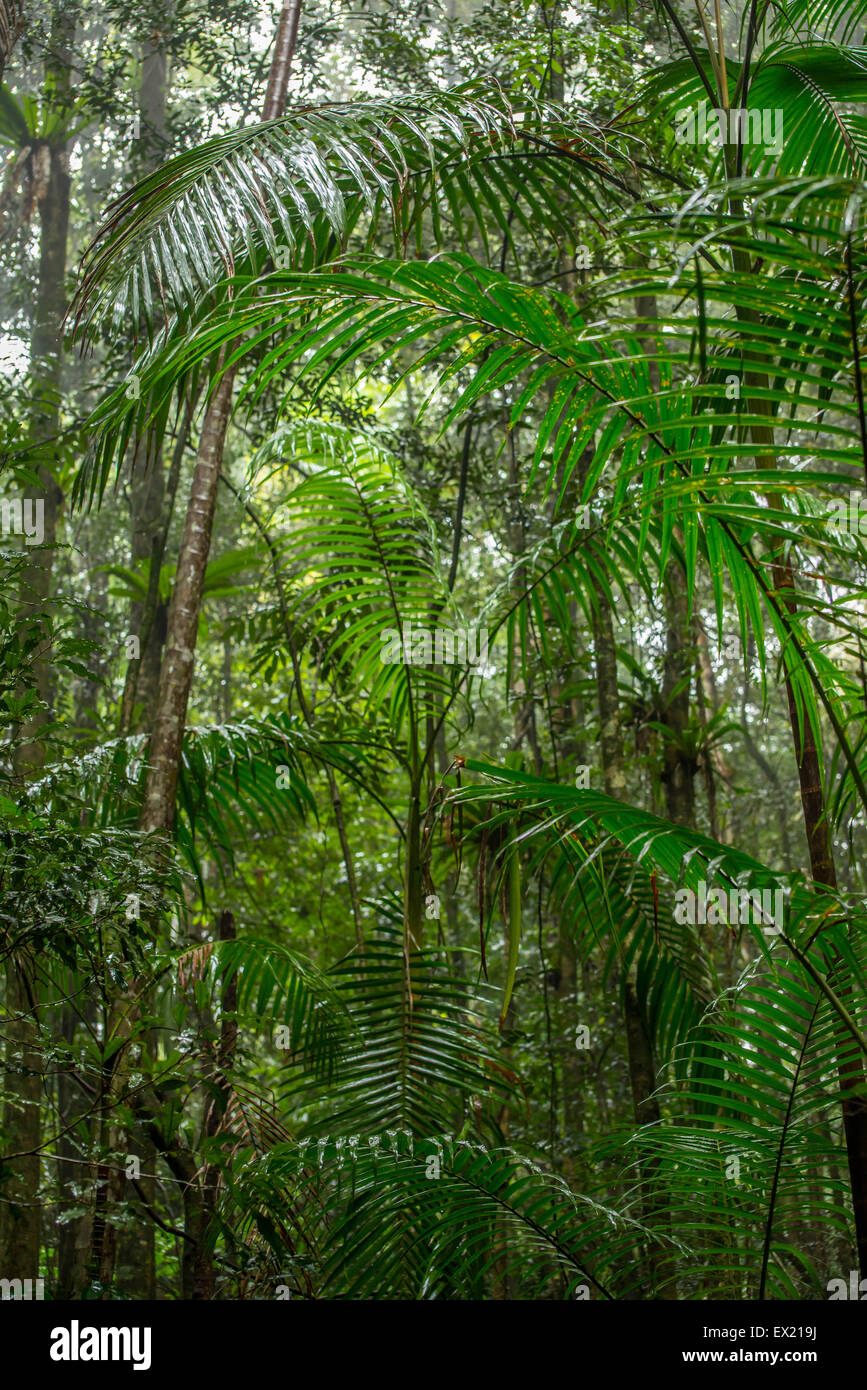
x: 147, y: 477
x: 204, y: 1277
x: 146, y: 501
x: 680, y: 765
x: 176, y: 677
x: 20, y: 1220
x: 11, y: 28
x: 567, y: 987
x: 46, y: 344
x: 642, y: 1070
x: 19, y: 1209
x: 574, y: 1065
x: 714, y: 762
x: 136, y: 1245
x: 148, y: 619
x: 72, y: 1169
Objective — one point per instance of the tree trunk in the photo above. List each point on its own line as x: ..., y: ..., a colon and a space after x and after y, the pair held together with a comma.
x: 148, y: 619
x: 11, y: 28
x: 19, y: 1222
x: 19, y: 1208
x: 72, y: 1169
x: 176, y: 677
x: 134, y: 1259
x: 147, y: 479
x: 46, y: 344
x: 680, y: 766
x: 639, y: 1050
x: 204, y: 1276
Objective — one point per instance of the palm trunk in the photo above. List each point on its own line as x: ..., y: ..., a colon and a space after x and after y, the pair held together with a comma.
x: 639, y: 1050
x: 176, y: 678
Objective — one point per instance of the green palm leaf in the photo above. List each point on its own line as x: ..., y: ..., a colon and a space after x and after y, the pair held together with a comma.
x: 276, y: 188
x: 755, y: 1178
x: 435, y: 1218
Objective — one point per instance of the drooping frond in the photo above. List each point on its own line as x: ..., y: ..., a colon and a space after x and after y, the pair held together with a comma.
x: 232, y: 777
x: 751, y: 1163
x: 279, y: 988
x: 425, y: 1053
x: 305, y: 182
x: 614, y: 869
x: 798, y: 113
x: 435, y: 1218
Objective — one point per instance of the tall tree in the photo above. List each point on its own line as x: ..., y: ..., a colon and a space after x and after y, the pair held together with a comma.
x: 147, y: 490
x: 50, y: 158
x: 20, y: 1213
x: 176, y: 675
x: 166, y: 738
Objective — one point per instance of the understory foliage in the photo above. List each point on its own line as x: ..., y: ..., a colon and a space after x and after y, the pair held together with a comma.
x: 508, y: 939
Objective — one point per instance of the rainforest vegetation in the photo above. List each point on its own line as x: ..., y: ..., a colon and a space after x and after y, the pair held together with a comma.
x: 433, y: 699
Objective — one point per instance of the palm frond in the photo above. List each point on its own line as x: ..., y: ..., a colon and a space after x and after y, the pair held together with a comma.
x: 438, y: 1218
x: 648, y: 421
x: 281, y: 988
x: 754, y: 1177
x: 363, y: 575
x: 426, y: 1055
x: 232, y: 777
x: 799, y: 117
x: 305, y: 181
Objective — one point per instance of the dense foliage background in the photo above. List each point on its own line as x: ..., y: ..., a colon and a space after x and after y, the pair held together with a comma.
x: 341, y: 960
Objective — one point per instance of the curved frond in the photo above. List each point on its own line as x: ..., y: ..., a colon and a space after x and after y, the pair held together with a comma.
x: 307, y: 180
